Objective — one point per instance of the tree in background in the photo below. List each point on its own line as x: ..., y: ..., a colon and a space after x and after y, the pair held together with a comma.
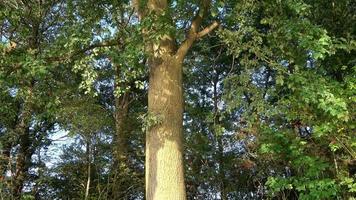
x: 298, y: 91
x: 30, y: 87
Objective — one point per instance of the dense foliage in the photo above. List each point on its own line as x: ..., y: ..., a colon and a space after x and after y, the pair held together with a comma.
x: 269, y: 98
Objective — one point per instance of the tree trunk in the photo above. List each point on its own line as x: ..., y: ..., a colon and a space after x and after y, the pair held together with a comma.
x: 87, y: 188
x: 164, y: 150
x: 221, y: 169
x: 164, y: 160
x: 164, y: 169
x: 25, y: 151
x: 122, y: 107
x: 4, y: 159
x: 22, y: 164
x: 120, y: 139
x: 219, y: 137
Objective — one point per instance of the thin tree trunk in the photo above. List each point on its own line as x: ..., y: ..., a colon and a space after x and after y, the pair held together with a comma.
x: 120, y: 139
x: 24, y: 153
x: 219, y: 137
x: 221, y: 169
x: 121, y: 112
x: 22, y: 164
x: 88, y: 168
x: 4, y: 159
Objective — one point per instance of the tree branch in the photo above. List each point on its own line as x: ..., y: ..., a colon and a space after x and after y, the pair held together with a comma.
x: 193, y: 32
x: 108, y: 43
x: 188, y: 42
x: 208, y: 29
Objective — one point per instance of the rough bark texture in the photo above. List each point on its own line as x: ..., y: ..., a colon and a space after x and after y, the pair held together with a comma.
x: 164, y: 161
x: 164, y: 173
x: 164, y: 154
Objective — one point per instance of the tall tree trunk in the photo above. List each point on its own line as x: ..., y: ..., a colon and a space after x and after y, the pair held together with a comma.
x: 164, y: 169
x: 164, y: 153
x: 164, y: 150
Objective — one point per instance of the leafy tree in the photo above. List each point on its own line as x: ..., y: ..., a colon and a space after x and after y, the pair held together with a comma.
x: 295, y: 96
x: 261, y: 108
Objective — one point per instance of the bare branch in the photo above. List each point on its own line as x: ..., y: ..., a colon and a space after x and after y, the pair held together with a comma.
x: 208, y: 29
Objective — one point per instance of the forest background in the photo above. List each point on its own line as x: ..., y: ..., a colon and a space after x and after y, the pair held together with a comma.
x: 158, y: 99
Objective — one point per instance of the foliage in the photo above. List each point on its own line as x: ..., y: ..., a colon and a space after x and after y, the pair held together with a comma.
x: 286, y: 89
x: 269, y: 98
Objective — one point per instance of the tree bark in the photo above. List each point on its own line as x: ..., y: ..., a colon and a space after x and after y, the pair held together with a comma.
x: 120, y: 139
x: 164, y: 153
x: 25, y: 151
x: 164, y: 170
